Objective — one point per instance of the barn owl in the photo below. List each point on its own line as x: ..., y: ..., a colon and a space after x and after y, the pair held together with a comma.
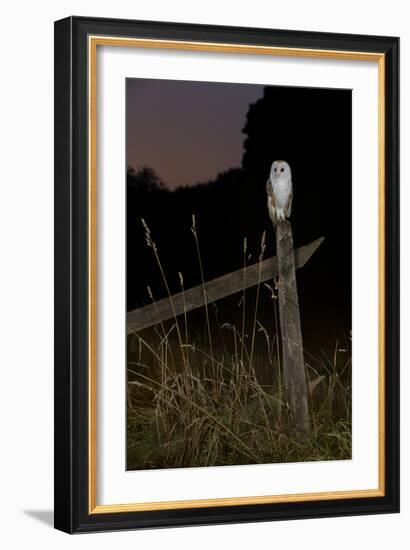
x: 279, y: 191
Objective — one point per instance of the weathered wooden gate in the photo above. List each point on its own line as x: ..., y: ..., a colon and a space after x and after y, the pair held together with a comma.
x: 282, y: 266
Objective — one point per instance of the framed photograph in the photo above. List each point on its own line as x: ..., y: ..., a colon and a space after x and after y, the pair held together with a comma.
x: 226, y: 274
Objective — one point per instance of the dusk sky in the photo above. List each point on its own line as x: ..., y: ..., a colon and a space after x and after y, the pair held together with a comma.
x: 187, y: 132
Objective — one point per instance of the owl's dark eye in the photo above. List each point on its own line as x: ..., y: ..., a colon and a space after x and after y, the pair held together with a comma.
x: 274, y: 170
x: 282, y: 169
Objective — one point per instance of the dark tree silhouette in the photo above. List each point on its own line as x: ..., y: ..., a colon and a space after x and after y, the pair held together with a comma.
x: 145, y: 179
x: 311, y: 130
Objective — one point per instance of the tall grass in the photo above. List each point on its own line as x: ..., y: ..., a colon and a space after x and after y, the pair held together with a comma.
x: 207, y: 404
x: 208, y: 325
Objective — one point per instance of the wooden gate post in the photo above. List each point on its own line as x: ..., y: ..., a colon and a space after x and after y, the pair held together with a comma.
x: 294, y: 375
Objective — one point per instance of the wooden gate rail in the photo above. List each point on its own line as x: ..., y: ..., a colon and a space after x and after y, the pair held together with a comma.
x: 218, y: 288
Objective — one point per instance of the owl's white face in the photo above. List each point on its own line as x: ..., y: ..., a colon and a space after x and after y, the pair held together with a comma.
x: 280, y: 171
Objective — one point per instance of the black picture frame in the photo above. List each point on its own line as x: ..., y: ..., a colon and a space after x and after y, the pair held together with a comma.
x: 71, y: 492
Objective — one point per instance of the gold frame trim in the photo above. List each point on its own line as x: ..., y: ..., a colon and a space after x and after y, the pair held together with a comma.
x: 93, y: 42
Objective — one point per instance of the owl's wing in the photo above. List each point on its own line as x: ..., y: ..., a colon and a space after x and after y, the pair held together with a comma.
x: 289, y: 204
x: 269, y: 192
x: 271, y: 201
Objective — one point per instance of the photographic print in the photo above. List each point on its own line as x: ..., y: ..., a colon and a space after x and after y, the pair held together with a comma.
x: 226, y: 274
x: 239, y: 285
